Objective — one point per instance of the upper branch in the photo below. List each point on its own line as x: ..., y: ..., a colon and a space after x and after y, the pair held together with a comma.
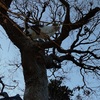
x: 85, y: 19
x: 13, y: 30
x: 78, y: 63
x: 65, y: 30
x: 67, y: 27
x: 43, y: 10
x: 67, y: 17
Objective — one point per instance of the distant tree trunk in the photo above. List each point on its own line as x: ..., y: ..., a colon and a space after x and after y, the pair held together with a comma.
x: 35, y: 74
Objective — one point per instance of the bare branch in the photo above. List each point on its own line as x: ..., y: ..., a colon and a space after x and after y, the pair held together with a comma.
x: 85, y: 19
x: 43, y: 10
x: 77, y: 38
x: 67, y: 17
x: 65, y: 29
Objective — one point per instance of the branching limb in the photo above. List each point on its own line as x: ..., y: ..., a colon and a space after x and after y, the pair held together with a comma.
x: 65, y: 29
x: 67, y: 17
x: 80, y: 63
x: 43, y: 10
x: 86, y: 52
x: 85, y: 19
x: 77, y: 39
x: 3, y: 85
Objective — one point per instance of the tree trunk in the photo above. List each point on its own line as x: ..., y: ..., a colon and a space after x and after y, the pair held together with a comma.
x: 36, y: 84
x: 33, y: 63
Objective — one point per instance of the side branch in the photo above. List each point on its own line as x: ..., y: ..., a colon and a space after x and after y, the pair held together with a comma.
x: 65, y: 30
x: 78, y: 63
x: 67, y: 27
x: 13, y: 31
x: 85, y: 19
x: 4, y: 5
x: 67, y: 17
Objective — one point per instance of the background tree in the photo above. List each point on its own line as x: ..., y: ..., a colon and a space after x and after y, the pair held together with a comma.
x: 58, y: 92
x: 79, y: 19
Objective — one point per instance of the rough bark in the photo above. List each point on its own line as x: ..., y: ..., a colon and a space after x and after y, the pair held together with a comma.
x: 35, y: 74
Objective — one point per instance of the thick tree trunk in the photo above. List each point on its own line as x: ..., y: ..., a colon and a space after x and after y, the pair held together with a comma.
x: 35, y: 75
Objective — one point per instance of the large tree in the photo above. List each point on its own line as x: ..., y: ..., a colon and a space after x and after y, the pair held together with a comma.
x: 74, y: 17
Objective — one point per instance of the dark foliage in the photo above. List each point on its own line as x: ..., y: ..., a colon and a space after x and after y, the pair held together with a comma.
x: 58, y: 92
x: 17, y: 97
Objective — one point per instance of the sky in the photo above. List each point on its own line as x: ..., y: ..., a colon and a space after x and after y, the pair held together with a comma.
x: 13, y: 76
